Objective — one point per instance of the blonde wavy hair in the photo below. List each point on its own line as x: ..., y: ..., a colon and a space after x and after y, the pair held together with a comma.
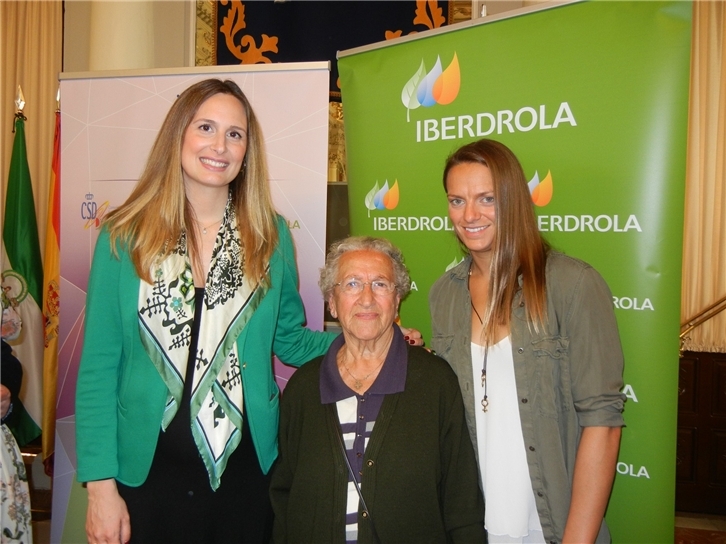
x: 156, y: 213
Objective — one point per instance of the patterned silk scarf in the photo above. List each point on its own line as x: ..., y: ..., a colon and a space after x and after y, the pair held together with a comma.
x: 166, y: 313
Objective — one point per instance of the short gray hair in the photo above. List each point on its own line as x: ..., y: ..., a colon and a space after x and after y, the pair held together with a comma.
x: 329, y: 274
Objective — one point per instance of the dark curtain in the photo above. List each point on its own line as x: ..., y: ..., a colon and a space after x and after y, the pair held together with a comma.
x: 261, y: 31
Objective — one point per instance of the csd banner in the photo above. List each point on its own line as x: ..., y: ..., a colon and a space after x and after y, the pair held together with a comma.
x: 110, y: 121
x: 593, y: 99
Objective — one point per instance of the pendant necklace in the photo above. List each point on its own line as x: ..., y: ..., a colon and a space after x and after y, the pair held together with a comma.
x: 358, y: 383
x: 485, y: 400
x: 204, y: 229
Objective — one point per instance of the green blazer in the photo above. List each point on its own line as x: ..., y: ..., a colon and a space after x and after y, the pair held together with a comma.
x: 120, y: 396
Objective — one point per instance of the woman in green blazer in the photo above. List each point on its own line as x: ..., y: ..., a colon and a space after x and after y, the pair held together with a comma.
x: 193, y: 287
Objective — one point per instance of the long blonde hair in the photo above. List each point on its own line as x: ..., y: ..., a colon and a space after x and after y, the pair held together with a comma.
x: 519, y: 249
x: 156, y: 213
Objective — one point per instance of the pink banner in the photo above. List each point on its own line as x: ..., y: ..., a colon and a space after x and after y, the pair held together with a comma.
x: 108, y: 127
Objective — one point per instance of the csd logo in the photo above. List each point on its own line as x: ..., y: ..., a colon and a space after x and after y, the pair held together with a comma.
x: 89, y: 210
x: 92, y: 212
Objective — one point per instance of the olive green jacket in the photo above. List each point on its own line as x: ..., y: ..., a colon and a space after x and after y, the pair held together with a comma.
x: 568, y: 376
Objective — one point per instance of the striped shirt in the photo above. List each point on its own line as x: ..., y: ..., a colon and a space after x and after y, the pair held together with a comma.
x: 357, y: 413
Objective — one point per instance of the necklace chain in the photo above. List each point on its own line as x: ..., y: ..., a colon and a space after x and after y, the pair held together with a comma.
x: 485, y: 400
x: 204, y: 229
x: 359, y: 381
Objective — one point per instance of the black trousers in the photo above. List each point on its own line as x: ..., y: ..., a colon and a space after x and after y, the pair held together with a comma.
x: 176, y: 504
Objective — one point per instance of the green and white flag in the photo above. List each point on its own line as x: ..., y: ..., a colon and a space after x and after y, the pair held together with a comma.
x: 22, y: 285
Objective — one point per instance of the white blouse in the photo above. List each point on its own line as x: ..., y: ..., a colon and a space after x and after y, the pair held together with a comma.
x: 511, y: 512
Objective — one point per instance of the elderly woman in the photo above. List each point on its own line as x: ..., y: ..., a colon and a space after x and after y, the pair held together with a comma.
x: 373, y: 440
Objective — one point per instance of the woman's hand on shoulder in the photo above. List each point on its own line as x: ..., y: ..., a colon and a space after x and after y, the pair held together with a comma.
x: 412, y: 336
x: 107, y: 520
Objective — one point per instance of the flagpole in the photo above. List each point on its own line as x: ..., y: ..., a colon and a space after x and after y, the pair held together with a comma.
x: 22, y: 282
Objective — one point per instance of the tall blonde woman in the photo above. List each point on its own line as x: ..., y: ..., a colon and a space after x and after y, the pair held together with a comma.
x: 193, y: 287
x: 532, y: 337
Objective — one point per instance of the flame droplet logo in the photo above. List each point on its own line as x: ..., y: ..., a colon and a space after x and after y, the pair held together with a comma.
x: 435, y: 87
x: 541, y: 191
x: 382, y: 198
x: 456, y: 262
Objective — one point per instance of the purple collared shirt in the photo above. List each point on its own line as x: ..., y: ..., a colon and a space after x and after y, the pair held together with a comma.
x: 391, y: 379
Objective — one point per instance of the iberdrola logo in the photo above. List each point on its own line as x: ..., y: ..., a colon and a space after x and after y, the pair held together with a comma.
x: 456, y: 262
x: 382, y: 198
x: 541, y: 191
x: 435, y: 87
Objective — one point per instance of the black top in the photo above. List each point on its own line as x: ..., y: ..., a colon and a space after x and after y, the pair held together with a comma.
x: 176, y: 503
x: 11, y: 376
x: 176, y: 445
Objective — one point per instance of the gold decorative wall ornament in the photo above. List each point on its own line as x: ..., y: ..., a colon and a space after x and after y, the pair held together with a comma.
x: 205, y: 53
x: 233, y: 24
x: 432, y: 17
x: 336, y: 143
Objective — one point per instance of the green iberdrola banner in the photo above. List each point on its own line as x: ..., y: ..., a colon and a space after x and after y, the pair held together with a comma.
x: 593, y: 99
x: 22, y: 283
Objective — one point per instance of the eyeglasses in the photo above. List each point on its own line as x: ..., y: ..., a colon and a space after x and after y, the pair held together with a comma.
x: 353, y: 286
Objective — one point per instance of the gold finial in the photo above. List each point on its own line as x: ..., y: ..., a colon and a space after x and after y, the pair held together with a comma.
x: 20, y: 101
x: 19, y: 105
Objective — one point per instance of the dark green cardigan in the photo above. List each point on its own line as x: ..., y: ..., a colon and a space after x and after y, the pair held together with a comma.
x: 420, y: 479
